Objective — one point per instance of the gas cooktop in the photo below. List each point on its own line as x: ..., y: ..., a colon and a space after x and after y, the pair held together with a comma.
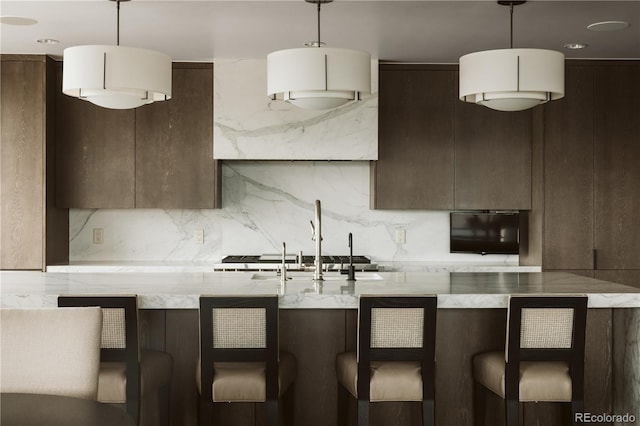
x: 275, y: 258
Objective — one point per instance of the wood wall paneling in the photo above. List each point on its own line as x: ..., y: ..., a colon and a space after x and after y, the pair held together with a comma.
x: 568, y: 174
x: 23, y: 156
x: 174, y: 144
x: 33, y: 232
x: 629, y: 277
x: 315, y: 338
x: 182, y: 342
x: 617, y: 171
x: 492, y: 158
x: 415, y: 143
x: 95, y: 154
x: 57, y: 219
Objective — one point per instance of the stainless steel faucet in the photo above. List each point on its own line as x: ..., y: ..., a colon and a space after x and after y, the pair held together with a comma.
x: 283, y: 273
x: 316, y: 236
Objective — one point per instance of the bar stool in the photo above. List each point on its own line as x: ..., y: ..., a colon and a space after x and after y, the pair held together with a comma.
x: 137, y: 378
x: 396, y: 355
x: 544, y: 357
x: 240, y: 358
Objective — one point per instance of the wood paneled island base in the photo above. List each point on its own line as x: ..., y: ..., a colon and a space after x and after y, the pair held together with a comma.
x: 315, y: 337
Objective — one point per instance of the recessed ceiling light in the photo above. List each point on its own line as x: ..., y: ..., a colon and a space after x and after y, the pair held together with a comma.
x: 608, y: 26
x: 48, y: 41
x: 575, y: 46
x: 17, y: 20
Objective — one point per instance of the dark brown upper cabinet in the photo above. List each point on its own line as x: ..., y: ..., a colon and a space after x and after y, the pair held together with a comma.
x: 96, y: 154
x: 174, y: 144
x: 154, y: 156
x: 415, y: 138
x: 492, y: 158
x: 436, y: 152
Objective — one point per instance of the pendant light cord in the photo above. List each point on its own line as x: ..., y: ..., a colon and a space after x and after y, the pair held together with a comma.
x: 319, y: 42
x: 118, y: 23
x: 511, y: 26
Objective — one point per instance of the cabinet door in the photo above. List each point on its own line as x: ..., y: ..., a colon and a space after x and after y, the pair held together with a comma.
x: 95, y: 154
x: 23, y: 144
x: 174, y: 144
x: 492, y: 158
x: 568, y: 174
x: 617, y: 166
x: 415, y: 139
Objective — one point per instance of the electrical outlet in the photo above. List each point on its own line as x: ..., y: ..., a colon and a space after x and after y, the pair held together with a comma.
x: 198, y: 236
x: 98, y: 236
x: 401, y: 235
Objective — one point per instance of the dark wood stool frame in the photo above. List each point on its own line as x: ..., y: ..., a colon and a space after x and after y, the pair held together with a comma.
x: 574, y: 356
x: 425, y: 355
x: 209, y: 354
x: 129, y: 355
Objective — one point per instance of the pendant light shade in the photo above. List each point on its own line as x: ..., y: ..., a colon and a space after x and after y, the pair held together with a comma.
x: 511, y: 79
x: 317, y: 77
x: 116, y: 77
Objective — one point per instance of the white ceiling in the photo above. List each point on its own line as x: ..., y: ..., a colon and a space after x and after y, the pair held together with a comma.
x: 406, y: 31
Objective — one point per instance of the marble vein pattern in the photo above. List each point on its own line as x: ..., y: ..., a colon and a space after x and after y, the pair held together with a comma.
x: 249, y: 125
x: 265, y: 204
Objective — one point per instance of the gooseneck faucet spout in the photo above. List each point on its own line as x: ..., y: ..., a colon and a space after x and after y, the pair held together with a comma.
x: 351, y: 270
x: 283, y: 273
x: 317, y: 237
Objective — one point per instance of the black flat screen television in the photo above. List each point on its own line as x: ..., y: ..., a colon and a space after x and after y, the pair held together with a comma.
x: 484, y: 233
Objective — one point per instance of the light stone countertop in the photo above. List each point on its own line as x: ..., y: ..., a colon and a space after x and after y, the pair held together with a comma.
x: 182, y: 290
x: 204, y: 267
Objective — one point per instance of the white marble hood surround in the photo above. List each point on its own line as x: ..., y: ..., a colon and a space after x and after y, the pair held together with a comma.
x: 250, y: 126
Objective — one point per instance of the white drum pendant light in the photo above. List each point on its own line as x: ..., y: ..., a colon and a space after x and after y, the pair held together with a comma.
x: 317, y: 77
x: 116, y: 77
x: 512, y: 79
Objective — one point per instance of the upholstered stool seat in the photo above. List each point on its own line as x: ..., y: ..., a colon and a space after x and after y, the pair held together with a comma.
x: 246, y: 381
x: 390, y: 380
x: 542, y: 381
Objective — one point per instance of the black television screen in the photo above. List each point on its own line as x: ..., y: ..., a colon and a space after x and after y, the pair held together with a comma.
x: 484, y: 233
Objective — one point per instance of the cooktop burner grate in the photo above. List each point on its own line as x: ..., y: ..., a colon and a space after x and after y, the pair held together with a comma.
x: 306, y: 259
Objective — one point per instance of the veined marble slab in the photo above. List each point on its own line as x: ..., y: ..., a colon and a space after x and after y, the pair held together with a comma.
x: 249, y: 126
x: 181, y: 290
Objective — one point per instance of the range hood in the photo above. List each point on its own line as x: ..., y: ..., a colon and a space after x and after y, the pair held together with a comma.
x: 250, y: 126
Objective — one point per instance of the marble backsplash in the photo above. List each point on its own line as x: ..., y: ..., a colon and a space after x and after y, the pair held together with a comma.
x: 263, y: 205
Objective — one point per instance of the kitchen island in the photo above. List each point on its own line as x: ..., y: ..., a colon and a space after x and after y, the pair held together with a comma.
x: 319, y: 320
